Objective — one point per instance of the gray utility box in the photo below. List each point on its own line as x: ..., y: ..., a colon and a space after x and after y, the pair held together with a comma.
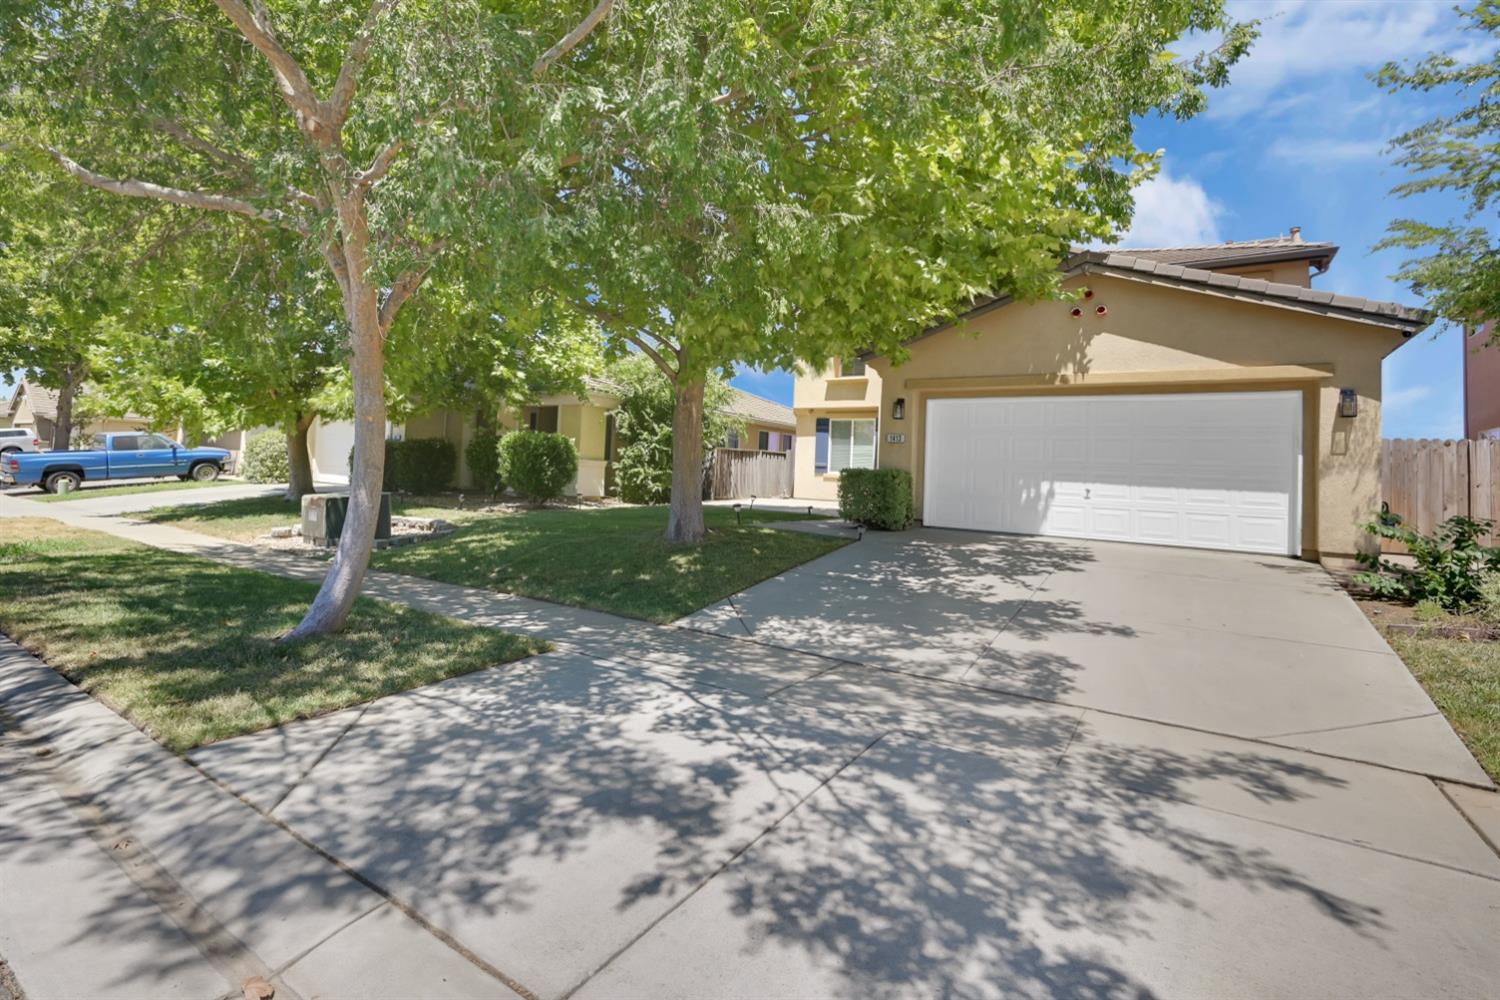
x: 323, y: 516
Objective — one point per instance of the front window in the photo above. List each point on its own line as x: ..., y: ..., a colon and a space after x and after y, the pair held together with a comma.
x: 156, y: 441
x: 852, y: 366
x: 851, y: 444
x: 125, y: 442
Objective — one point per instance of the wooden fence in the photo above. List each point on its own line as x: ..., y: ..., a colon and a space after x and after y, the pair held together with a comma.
x: 1427, y: 482
x: 734, y: 473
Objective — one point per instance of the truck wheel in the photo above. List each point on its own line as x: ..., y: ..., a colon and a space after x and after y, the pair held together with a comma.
x: 204, y: 472
x: 53, y: 483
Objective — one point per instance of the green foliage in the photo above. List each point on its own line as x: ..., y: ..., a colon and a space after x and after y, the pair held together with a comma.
x: 264, y: 459
x: 483, y: 456
x: 538, y: 465
x: 1428, y: 610
x: 1451, y: 564
x: 1460, y: 152
x: 1489, y: 600
x: 643, y: 422
x: 877, y: 498
x: 421, y: 465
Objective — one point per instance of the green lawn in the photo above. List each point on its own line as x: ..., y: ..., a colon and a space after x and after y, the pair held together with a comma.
x: 252, y: 517
x: 613, y: 558
x: 186, y: 648
x: 1463, y: 678
x: 89, y: 493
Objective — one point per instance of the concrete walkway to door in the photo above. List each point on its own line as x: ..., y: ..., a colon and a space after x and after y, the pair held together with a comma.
x: 1257, y: 647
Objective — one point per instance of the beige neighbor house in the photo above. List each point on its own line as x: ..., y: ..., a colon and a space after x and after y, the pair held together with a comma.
x: 588, y: 419
x: 763, y: 424
x: 1194, y: 396
x: 35, y: 407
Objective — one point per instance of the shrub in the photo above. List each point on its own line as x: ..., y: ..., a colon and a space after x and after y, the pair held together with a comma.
x: 538, y: 465
x: 423, y: 465
x: 1451, y: 565
x: 877, y: 498
x: 1489, y: 600
x: 264, y: 459
x: 483, y: 455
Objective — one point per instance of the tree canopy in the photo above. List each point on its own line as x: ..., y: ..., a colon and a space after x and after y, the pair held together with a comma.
x: 1459, y: 273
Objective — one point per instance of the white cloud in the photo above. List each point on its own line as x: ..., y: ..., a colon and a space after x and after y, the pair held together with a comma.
x: 1326, y: 151
x: 1398, y: 400
x: 1303, y: 42
x: 1172, y: 212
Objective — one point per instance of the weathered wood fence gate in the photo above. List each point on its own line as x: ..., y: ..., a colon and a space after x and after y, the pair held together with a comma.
x: 1427, y: 481
x: 740, y: 472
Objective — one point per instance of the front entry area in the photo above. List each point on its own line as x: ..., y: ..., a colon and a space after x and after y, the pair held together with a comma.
x: 1219, y: 470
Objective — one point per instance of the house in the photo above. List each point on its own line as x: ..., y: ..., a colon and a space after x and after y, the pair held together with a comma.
x: 764, y: 425
x: 588, y: 419
x: 1192, y: 396
x: 35, y: 406
x: 1481, y: 382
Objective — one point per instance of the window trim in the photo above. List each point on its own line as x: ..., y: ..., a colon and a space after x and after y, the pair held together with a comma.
x: 874, y: 422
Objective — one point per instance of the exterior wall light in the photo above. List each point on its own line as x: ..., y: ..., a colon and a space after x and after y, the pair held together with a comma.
x: 1348, y: 403
x: 898, y: 408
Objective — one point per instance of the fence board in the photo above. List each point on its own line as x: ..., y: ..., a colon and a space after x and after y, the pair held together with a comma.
x: 1427, y: 482
x: 735, y: 473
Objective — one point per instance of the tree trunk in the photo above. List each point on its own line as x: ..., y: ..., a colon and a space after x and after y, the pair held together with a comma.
x: 62, y: 426
x: 367, y: 364
x: 299, y: 462
x: 685, y: 519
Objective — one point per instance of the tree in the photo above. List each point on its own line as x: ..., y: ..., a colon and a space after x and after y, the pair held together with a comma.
x: 773, y: 184
x: 1458, y: 152
x: 385, y: 138
x: 644, y: 424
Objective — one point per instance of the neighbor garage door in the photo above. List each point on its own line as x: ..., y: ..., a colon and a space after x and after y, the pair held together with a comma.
x: 1209, y: 470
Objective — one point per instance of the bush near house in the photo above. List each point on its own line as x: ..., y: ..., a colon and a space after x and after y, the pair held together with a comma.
x: 877, y: 498
x: 538, y: 465
x: 483, y: 455
x: 417, y: 465
x: 1451, y: 564
x: 264, y: 459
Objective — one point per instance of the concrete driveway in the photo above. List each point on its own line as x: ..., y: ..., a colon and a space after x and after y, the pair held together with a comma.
x: 674, y: 813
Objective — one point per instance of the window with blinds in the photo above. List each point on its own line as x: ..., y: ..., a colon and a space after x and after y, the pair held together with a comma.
x: 851, y: 444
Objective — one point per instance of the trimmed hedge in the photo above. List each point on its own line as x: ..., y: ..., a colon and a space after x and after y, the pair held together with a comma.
x: 264, y: 459
x: 538, y: 465
x: 483, y: 455
x: 877, y: 498
x: 417, y: 465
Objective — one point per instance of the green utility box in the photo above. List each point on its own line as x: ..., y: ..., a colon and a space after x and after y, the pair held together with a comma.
x: 323, y: 516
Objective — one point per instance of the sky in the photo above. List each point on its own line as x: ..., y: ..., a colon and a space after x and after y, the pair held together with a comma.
x: 1298, y: 138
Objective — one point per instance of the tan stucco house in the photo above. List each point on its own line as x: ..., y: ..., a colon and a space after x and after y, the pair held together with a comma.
x: 1192, y: 396
x: 588, y: 419
x: 35, y: 406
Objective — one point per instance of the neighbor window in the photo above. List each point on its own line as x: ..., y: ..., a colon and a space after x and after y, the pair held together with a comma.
x: 852, y: 366
x: 764, y: 441
x: 732, y: 439
x: 845, y: 444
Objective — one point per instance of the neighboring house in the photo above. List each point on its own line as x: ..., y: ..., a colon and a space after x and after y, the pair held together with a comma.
x: 35, y: 406
x: 1481, y: 382
x: 589, y: 420
x: 765, y: 426
x: 1197, y: 396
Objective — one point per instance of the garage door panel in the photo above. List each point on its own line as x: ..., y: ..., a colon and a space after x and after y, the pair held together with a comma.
x: 1215, y: 470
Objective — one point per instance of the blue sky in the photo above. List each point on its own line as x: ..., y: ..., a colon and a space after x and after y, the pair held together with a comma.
x: 1298, y: 139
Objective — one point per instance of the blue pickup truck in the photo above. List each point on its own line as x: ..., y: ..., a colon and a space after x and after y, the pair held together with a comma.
x: 134, y: 455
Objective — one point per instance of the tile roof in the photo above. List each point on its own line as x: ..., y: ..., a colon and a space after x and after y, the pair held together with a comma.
x: 44, y: 401
x: 603, y: 386
x: 756, y: 409
x: 1130, y: 264
x: 1243, y: 253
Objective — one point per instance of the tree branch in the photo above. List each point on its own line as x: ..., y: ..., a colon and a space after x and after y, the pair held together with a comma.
x: 654, y: 355
x: 405, y: 286
x: 177, y: 196
x: 570, y: 41
x: 296, y: 89
x: 198, y: 144
x: 347, y: 83
x: 379, y: 167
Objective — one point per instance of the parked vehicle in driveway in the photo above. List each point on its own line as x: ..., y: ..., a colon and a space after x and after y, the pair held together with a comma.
x: 18, y: 439
x: 133, y: 455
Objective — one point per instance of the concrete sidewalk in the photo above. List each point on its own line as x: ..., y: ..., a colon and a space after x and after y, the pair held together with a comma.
x: 126, y: 872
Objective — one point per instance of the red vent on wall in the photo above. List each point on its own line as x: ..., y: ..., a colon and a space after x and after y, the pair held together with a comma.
x: 1075, y: 312
x: 1101, y: 310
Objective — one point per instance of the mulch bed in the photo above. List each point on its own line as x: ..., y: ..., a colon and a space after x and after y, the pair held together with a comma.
x: 1401, y: 619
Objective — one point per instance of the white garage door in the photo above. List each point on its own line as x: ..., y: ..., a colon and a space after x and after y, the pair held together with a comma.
x: 1208, y: 470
